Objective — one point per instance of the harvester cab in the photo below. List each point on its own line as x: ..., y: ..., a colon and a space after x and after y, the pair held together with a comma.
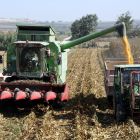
x: 29, y: 58
x: 36, y: 55
x: 126, y: 91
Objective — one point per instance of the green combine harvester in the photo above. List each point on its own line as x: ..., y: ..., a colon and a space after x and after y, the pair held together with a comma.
x: 37, y: 55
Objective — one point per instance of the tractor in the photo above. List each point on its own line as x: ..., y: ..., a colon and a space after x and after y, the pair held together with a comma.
x: 127, y: 91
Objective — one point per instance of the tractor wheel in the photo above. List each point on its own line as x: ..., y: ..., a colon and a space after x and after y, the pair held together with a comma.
x: 114, y: 106
x: 120, y: 113
x: 110, y: 100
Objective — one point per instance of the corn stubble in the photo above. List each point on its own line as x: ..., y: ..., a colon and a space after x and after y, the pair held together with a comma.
x: 87, y: 115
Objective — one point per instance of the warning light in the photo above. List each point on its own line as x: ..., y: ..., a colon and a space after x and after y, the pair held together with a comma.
x: 27, y: 41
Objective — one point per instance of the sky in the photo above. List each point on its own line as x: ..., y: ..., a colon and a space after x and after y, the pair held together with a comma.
x: 68, y: 10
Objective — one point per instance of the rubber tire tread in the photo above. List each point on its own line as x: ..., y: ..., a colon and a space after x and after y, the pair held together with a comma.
x: 120, y: 112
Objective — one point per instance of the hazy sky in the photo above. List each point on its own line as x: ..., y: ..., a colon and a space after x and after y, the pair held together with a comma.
x: 68, y: 10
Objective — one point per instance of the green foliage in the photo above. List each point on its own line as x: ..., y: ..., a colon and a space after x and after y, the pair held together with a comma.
x: 84, y: 26
x: 88, y: 45
x: 134, y: 32
x: 7, y: 38
x: 106, y: 46
x: 94, y: 44
x: 16, y: 128
x: 126, y: 18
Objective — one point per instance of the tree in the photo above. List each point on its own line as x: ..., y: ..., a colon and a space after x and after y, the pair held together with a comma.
x: 135, y: 32
x: 126, y: 18
x: 84, y: 26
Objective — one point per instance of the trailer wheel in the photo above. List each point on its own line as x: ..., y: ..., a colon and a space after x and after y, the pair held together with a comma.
x: 120, y: 113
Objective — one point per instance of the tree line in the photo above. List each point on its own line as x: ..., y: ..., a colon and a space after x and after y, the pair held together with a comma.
x: 6, y: 38
x: 84, y: 26
x: 88, y: 23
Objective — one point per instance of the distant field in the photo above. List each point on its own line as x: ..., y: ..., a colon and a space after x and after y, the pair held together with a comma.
x: 101, y: 44
x: 117, y: 50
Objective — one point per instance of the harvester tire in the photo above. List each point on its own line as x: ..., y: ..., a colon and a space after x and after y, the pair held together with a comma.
x: 120, y: 113
x: 4, y: 104
x: 56, y: 104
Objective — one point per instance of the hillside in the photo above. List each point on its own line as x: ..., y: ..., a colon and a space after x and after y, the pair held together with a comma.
x: 7, y: 24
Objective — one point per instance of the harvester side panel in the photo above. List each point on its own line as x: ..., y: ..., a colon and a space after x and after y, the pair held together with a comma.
x: 63, y: 67
x: 11, y: 57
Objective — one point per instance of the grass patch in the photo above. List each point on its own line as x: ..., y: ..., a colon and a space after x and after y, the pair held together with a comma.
x: 16, y: 128
x: 7, y: 124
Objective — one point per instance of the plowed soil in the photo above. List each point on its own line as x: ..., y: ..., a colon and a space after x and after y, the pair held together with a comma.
x: 87, y: 114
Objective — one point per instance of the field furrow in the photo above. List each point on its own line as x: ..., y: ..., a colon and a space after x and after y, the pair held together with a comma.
x: 87, y: 114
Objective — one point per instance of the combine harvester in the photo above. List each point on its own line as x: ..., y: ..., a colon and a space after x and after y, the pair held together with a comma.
x: 48, y: 63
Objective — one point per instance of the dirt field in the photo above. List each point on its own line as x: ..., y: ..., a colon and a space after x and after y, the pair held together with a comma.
x: 87, y: 115
x: 102, y: 44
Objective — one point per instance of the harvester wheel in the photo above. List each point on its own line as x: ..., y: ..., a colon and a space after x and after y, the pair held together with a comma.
x: 56, y: 104
x: 120, y: 113
x: 4, y: 105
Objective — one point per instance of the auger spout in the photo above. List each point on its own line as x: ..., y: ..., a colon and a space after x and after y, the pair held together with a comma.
x: 120, y: 28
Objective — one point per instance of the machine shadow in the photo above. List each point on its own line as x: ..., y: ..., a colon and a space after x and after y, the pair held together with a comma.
x: 81, y: 105
x: 11, y: 109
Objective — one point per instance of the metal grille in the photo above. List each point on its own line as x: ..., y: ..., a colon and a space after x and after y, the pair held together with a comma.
x: 22, y: 37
